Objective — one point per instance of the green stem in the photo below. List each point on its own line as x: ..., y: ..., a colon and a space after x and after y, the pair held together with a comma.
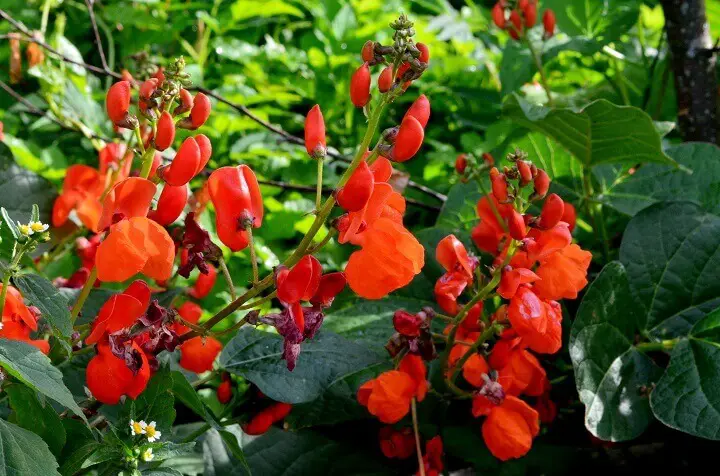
x: 255, y: 304
x: 541, y: 70
x: 3, y: 293
x: 147, y: 161
x: 418, y: 447
x: 228, y: 278
x: 253, y: 256
x: 138, y: 137
x: 661, y: 346
x: 595, y: 213
x: 487, y: 333
x: 318, y: 196
x: 84, y: 293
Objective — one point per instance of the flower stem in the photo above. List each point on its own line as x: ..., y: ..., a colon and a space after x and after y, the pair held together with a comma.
x: 418, y: 447
x: 662, y: 346
x: 3, y: 293
x: 253, y: 256
x: 138, y: 137
x: 318, y: 197
x: 228, y: 278
x: 147, y: 161
x: 84, y: 293
x: 541, y: 70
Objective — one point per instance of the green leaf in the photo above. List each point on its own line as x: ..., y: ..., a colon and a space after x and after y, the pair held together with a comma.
x: 604, y: 21
x: 40, y: 418
x: 10, y: 224
x: 33, y: 368
x: 35, y: 213
x: 599, y: 133
x: 21, y: 189
x: 670, y: 252
x: 170, y: 450
x: 687, y: 397
x: 654, y: 183
x: 222, y: 453
x: 255, y: 355
x: 40, y: 292
x: 74, y: 461
x: 459, y: 210
x: 156, y: 403
x: 609, y: 371
x: 184, y: 392
x: 24, y: 453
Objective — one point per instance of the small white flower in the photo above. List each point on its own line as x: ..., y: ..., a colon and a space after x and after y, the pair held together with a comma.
x: 138, y: 427
x: 38, y: 227
x: 148, y: 455
x: 152, y: 433
x: 25, y: 229
x: 1, y: 325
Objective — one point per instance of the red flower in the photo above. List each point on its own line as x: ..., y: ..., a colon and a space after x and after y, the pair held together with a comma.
x: 81, y: 191
x: 262, y: 422
x: 127, y: 199
x: 536, y: 321
x: 432, y: 459
x: 18, y: 321
x: 190, y: 312
x: 385, y: 79
x: 549, y: 22
x: 120, y: 311
x: 224, y: 390
x: 186, y: 164
x: 236, y: 195
x: 118, y: 102
x: 453, y: 256
x: 357, y: 191
x: 198, y: 114
x: 490, y: 233
x: 509, y: 428
x: 115, y: 157
x: 165, y: 131
x: 512, y: 278
x: 331, y: 285
x: 360, y: 86
x: 409, y: 139
x: 315, y: 142
x: 388, y: 396
x: 109, y: 377
x: 498, y: 15
x: 198, y: 354
x: 170, y: 205
x: 396, y: 443
x: 420, y: 110
x: 137, y: 245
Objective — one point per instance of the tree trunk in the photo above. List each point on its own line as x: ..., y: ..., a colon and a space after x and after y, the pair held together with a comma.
x: 693, y: 62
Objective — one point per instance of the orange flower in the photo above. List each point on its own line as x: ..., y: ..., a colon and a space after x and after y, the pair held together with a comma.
x: 236, y: 195
x: 414, y: 366
x: 120, y: 311
x: 432, y: 459
x: 115, y: 157
x: 490, y: 233
x: 108, y: 377
x: 18, y: 322
x: 518, y: 370
x: 198, y: 354
x: 389, y: 259
x: 129, y: 198
x: 563, y: 274
x: 509, y: 428
x: 448, y: 288
x: 81, y: 193
x: 536, y: 321
x: 452, y: 255
x: 388, y: 396
x: 511, y: 280
x: 137, y: 245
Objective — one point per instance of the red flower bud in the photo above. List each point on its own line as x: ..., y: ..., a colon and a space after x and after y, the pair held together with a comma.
x: 530, y: 14
x: 360, y: 86
x: 409, y: 139
x: 356, y: 193
x: 224, y: 391
x: 368, y: 51
x: 186, y: 102
x: 523, y: 4
x: 382, y: 169
x: 499, y: 185
x: 488, y: 158
x: 300, y: 282
x: 549, y: 22
x: 198, y: 114
x: 569, y: 216
x: 461, y: 164
x: 165, y: 131
x: 170, y: 204
x: 516, y: 29
x: 424, y: 52
x: 420, y: 110
x: 148, y: 88
x: 185, y: 164
x: 204, y: 283
x: 205, y: 151
x: 126, y: 76
x: 117, y: 101
x: 407, y: 324
x: 552, y: 211
x: 385, y: 80
x: 498, y: 15
x: 235, y: 192
x: 541, y: 183
x: 315, y: 142
x: 525, y: 172
x: 516, y: 225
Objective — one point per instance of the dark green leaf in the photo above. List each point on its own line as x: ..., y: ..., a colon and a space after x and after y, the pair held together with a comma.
x: 24, y: 453
x: 74, y: 461
x: 604, y: 21
x: 34, y: 369
x: 459, y: 210
x: 255, y: 355
x: 184, y: 392
x: 40, y: 292
x: 37, y: 417
x: 609, y: 371
x: 156, y: 403
x: 170, y: 450
x: 670, y: 252
x: 599, y: 133
x: 20, y: 189
x: 655, y: 183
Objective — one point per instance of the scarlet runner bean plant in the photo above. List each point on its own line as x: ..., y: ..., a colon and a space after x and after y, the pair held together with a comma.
x: 176, y: 309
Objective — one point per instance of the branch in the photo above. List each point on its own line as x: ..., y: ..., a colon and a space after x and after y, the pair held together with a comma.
x: 91, y: 11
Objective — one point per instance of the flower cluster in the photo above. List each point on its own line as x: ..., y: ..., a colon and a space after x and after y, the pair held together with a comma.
x: 520, y: 16
x: 19, y: 320
x: 493, y: 343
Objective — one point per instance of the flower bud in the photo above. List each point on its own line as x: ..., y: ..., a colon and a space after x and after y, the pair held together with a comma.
x: 368, y: 51
x: 461, y: 164
x: 409, y: 139
x: 315, y: 141
x: 525, y: 172
x: 160, y: 76
x: 569, y: 216
x: 549, y: 22
x: 523, y: 4
x: 224, y: 391
x: 386, y: 79
x: 186, y: 102
x: 165, y: 131
x: 148, y: 88
x: 499, y: 185
x: 204, y: 283
x: 407, y: 324
x: 355, y: 194
x: 498, y: 15
x: 424, y: 52
x: 516, y: 225
x: 205, y: 151
x: 516, y: 29
x: 530, y: 14
x: 488, y: 158
x: 170, y: 204
x: 360, y: 86
x: 420, y: 110
x: 541, y: 183
x: 117, y: 101
x: 552, y: 212
x: 184, y: 166
x: 198, y: 114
